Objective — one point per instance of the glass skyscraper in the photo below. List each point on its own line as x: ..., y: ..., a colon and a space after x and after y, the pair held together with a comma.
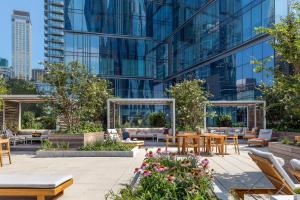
x: 144, y: 46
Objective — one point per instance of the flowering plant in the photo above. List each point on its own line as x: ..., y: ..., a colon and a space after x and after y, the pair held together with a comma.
x: 165, y: 176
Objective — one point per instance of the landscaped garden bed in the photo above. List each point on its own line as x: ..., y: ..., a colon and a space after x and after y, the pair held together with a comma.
x: 108, y: 148
x: 76, y: 140
x: 162, y: 175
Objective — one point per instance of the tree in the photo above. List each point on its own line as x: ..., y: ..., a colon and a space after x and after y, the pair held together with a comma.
x: 20, y: 86
x: 78, y: 98
x: 3, y: 90
x: 286, y: 37
x: 191, y: 99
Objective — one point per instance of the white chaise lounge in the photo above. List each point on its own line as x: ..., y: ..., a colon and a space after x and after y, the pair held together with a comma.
x: 41, y: 186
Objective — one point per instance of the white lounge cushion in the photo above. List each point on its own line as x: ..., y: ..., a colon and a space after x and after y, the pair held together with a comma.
x: 277, y: 166
x: 295, y: 164
x: 112, y: 131
x: 32, y: 181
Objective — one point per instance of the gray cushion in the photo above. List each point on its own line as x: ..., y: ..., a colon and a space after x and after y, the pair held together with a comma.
x: 295, y: 164
x: 32, y: 181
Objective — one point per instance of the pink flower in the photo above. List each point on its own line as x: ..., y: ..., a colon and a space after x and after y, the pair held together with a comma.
x: 150, y: 154
x: 136, y: 170
x: 161, y: 168
x: 205, y: 162
x: 158, y: 150
x: 144, y: 164
x: 146, y: 173
x: 170, y: 178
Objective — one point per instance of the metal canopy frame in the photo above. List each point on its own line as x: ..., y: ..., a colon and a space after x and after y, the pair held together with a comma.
x: 159, y: 101
x: 247, y: 104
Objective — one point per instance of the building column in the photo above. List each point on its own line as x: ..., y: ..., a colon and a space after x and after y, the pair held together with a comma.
x: 173, y: 120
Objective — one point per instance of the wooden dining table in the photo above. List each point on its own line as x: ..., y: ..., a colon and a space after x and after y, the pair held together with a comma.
x: 208, y: 137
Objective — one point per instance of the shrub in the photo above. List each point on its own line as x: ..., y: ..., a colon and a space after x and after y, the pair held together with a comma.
x: 163, y: 176
x: 157, y: 119
x: 286, y: 140
x: 62, y: 145
x: 224, y: 121
x: 107, y: 145
x: 47, y: 145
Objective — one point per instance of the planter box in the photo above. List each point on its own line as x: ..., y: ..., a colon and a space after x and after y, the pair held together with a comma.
x: 290, y: 135
x: 76, y: 140
x: 287, y: 152
x: 53, y: 153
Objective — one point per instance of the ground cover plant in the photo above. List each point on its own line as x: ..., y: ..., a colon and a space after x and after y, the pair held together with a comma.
x: 107, y: 145
x: 162, y: 175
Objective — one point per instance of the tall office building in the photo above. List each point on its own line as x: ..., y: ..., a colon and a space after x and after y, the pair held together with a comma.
x: 21, y: 44
x: 144, y: 46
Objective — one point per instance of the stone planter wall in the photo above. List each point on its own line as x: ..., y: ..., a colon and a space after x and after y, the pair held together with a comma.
x: 76, y: 140
x: 287, y: 152
x: 68, y: 153
x: 290, y: 135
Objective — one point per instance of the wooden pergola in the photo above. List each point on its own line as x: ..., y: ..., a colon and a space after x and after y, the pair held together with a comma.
x: 12, y: 108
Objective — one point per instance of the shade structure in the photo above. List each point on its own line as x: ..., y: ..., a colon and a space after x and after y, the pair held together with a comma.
x: 112, y: 103
x: 256, y: 111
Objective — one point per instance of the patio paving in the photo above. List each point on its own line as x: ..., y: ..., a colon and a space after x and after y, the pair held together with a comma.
x: 94, y: 177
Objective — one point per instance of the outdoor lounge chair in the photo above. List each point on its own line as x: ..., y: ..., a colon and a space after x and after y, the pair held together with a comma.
x: 34, y: 186
x: 264, y: 137
x: 295, y: 171
x: 271, y: 166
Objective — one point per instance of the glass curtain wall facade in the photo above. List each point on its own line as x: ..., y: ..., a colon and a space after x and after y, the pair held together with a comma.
x: 144, y: 46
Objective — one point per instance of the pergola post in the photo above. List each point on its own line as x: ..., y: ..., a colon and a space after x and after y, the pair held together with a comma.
x: 264, y: 115
x: 173, y: 120
x: 204, y: 125
x: 3, y: 118
x: 20, y: 117
x: 255, y: 124
x: 108, y: 114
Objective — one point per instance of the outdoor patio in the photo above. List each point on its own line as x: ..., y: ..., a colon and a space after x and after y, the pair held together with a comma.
x: 94, y: 177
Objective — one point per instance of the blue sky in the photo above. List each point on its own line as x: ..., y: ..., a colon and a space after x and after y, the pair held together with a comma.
x: 36, y: 9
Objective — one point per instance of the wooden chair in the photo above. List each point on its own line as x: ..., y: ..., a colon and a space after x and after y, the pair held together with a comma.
x: 265, y: 135
x: 195, y: 142
x: 232, y: 140
x: 169, y: 141
x: 272, y: 168
x: 32, y: 185
x: 4, y: 151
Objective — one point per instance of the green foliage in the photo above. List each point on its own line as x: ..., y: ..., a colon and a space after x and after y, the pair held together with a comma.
x: 283, y: 105
x: 286, y: 140
x: 79, y: 98
x: 297, y: 191
x: 157, y: 119
x: 224, y: 121
x: 107, y: 145
x: 286, y: 37
x: 162, y: 176
x: 88, y: 127
x: 191, y: 99
x: 47, y: 145
x: 20, y: 86
x: 29, y: 121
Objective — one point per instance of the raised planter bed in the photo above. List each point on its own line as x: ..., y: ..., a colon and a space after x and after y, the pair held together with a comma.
x: 285, y: 151
x: 290, y: 135
x: 76, y: 140
x: 74, y: 153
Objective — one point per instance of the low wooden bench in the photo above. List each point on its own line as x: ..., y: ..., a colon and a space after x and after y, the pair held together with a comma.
x: 34, y: 186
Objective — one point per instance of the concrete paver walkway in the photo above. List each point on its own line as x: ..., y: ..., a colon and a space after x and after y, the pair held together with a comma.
x: 93, y: 177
